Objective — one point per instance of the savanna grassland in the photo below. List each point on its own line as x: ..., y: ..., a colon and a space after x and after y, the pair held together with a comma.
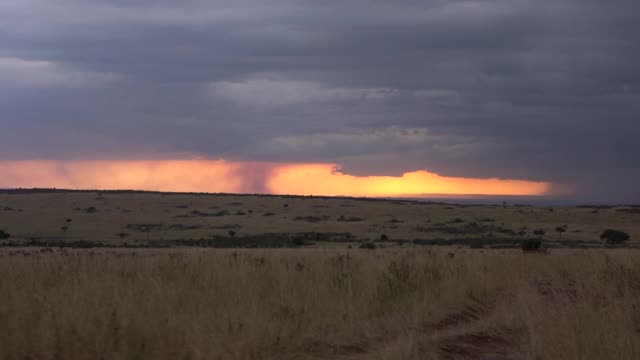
x: 417, y: 303
x: 259, y: 277
x: 139, y: 219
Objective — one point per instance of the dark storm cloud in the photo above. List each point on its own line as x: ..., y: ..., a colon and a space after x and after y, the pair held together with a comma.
x: 518, y: 88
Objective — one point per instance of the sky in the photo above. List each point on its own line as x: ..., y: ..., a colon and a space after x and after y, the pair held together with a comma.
x: 350, y: 97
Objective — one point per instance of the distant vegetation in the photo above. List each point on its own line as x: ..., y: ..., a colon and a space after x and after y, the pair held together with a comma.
x: 198, y: 213
x: 312, y: 218
x: 531, y: 245
x: 368, y: 245
x: 349, y: 218
x: 157, y: 219
x: 614, y: 237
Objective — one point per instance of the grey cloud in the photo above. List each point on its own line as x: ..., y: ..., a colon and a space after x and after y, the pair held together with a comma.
x: 500, y: 88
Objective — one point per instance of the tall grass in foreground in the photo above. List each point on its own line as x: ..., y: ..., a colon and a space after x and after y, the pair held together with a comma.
x: 310, y: 304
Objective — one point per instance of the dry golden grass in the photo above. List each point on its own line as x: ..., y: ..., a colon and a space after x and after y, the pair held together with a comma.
x: 43, y: 216
x: 323, y: 301
x: 415, y: 303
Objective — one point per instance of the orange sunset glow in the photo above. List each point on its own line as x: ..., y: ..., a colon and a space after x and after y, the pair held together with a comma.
x: 242, y: 177
x: 319, y: 179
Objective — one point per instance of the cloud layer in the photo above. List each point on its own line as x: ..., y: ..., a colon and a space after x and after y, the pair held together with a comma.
x: 512, y: 89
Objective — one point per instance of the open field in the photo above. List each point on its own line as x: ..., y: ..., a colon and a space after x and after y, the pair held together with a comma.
x: 420, y: 303
x: 141, y: 219
x: 150, y: 286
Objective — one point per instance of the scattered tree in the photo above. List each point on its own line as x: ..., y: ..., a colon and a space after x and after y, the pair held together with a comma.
x: 561, y: 229
x: 539, y: 233
x: 122, y: 235
x: 64, y: 230
x: 4, y: 235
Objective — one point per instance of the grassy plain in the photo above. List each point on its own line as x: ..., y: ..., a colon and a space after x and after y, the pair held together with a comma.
x: 137, y: 218
x: 322, y: 298
x: 418, y: 303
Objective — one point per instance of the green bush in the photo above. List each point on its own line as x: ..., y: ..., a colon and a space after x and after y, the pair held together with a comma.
x: 368, y: 245
x: 4, y: 235
x: 539, y: 232
x: 611, y: 236
x: 349, y: 219
x: 531, y: 245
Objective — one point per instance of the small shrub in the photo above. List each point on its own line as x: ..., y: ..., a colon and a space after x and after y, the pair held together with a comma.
x: 89, y: 210
x: 4, y: 235
x: 216, y: 214
x: 395, y: 221
x: 531, y: 245
x: 611, y: 236
x: 349, y: 219
x: 311, y: 218
x: 368, y: 245
x: 539, y: 232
